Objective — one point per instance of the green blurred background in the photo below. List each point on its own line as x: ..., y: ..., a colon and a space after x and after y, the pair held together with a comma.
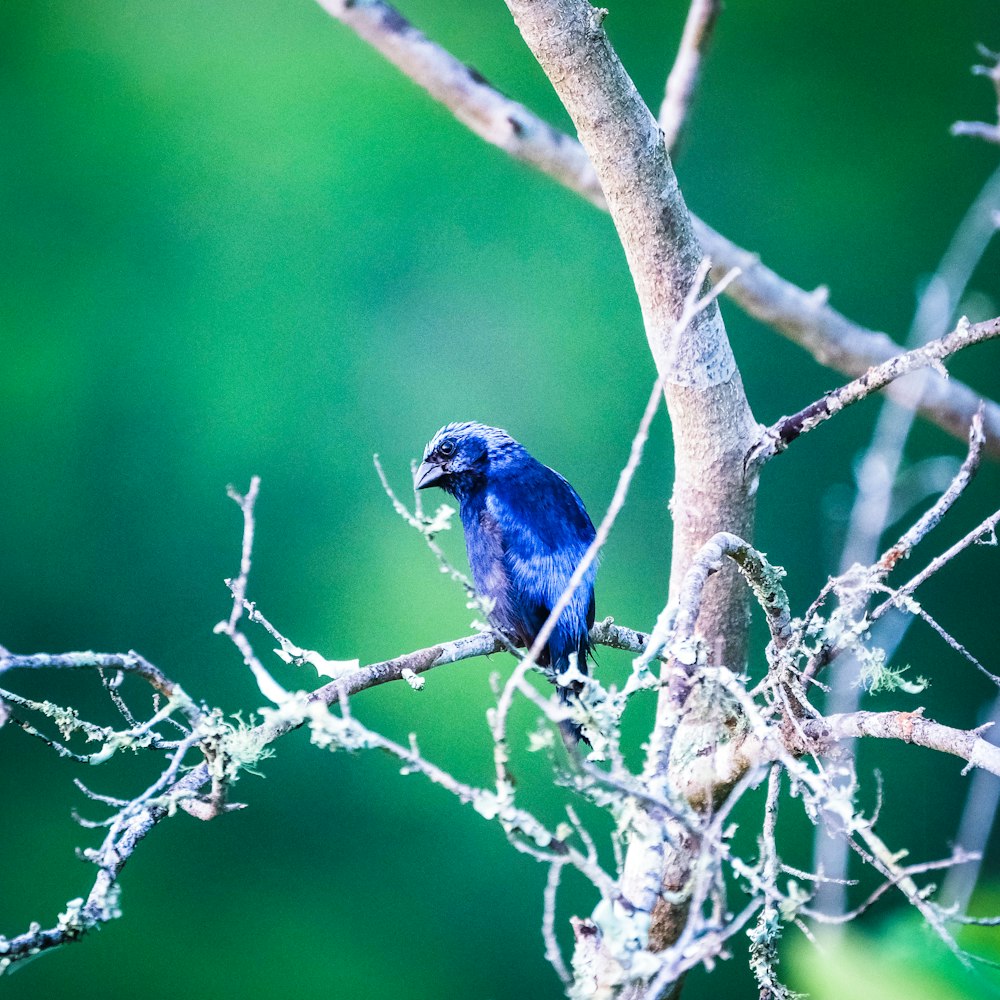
x: 237, y: 242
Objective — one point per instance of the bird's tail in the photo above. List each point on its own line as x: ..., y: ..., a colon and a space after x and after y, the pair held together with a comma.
x: 573, y: 734
x: 572, y: 731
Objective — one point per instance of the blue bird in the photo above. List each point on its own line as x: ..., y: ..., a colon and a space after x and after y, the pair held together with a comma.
x: 526, y: 529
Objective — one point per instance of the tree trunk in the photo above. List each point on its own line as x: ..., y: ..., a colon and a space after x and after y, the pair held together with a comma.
x: 713, y: 428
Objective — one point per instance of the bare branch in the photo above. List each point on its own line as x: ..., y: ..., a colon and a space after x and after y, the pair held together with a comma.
x: 975, y: 827
x: 910, y: 727
x: 428, y: 527
x: 760, y: 575
x: 808, y: 320
x: 417, y: 662
x: 857, y: 583
x: 607, y: 633
x: 604, y: 633
x: 680, y: 854
x: 766, y: 933
x: 824, y: 796
x: 683, y: 79
x: 959, y: 857
x: 776, y: 438
x: 269, y: 688
x: 675, y: 628
x: 978, y: 130
x: 129, y: 663
x: 887, y: 862
x: 923, y: 615
x: 804, y: 317
x: 880, y: 478
x: 25, y: 726
x: 983, y: 533
x: 932, y: 518
x: 468, y: 96
x: 704, y: 937
x: 101, y: 905
x: 172, y: 788
x: 982, y: 130
x: 239, y: 586
x: 552, y: 951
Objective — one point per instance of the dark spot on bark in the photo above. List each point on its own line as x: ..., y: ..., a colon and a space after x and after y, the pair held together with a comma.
x: 392, y: 20
x: 556, y: 136
x: 793, y: 426
x: 477, y: 77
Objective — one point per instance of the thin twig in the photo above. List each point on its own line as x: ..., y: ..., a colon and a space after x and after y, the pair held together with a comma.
x: 959, y: 648
x: 983, y: 533
x: 959, y: 857
x: 776, y: 438
x: 930, y: 520
x: 694, y: 305
x: 239, y: 586
x: 766, y: 933
x: 761, y: 576
x: 469, y: 96
x: 130, y: 663
x: 975, y: 827
x: 856, y: 584
x: 982, y: 130
x: 426, y: 528
x: 909, y: 727
x: 683, y: 79
x: 268, y: 686
x: 553, y: 954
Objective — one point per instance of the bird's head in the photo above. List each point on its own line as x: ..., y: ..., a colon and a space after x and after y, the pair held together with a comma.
x: 461, y: 455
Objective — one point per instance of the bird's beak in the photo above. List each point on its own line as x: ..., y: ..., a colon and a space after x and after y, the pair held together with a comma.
x: 428, y: 474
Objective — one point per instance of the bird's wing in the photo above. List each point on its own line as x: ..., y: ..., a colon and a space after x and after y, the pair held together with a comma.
x: 491, y: 569
x: 542, y: 545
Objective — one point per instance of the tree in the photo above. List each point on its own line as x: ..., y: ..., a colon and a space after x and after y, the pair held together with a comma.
x: 663, y: 911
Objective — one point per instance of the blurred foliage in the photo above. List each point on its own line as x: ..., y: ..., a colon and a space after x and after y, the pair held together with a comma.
x: 898, y: 959
x: 239, y: 242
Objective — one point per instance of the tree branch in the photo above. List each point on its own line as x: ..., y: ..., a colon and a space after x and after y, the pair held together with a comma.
x: 982, y: 130
x: 762, y: 578
x: 984, y: 532
x: 837, y: 342
x: 137, y: 817
x: 776, y: 438
x: 804, y: 317
x: 683, y: 79
x: 931, y: 518
x: 710, y: 417
x: 469, y: 96
x: 128, y: 663
x: 910, y: 727
x: 101, y: 905
x: 857, y: 583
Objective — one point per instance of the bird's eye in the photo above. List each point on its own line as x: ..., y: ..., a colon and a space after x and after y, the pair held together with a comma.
x: 446, y: 449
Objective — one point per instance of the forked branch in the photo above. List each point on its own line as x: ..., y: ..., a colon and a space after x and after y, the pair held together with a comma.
x: 776, y: 438
x: 804, y: 317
